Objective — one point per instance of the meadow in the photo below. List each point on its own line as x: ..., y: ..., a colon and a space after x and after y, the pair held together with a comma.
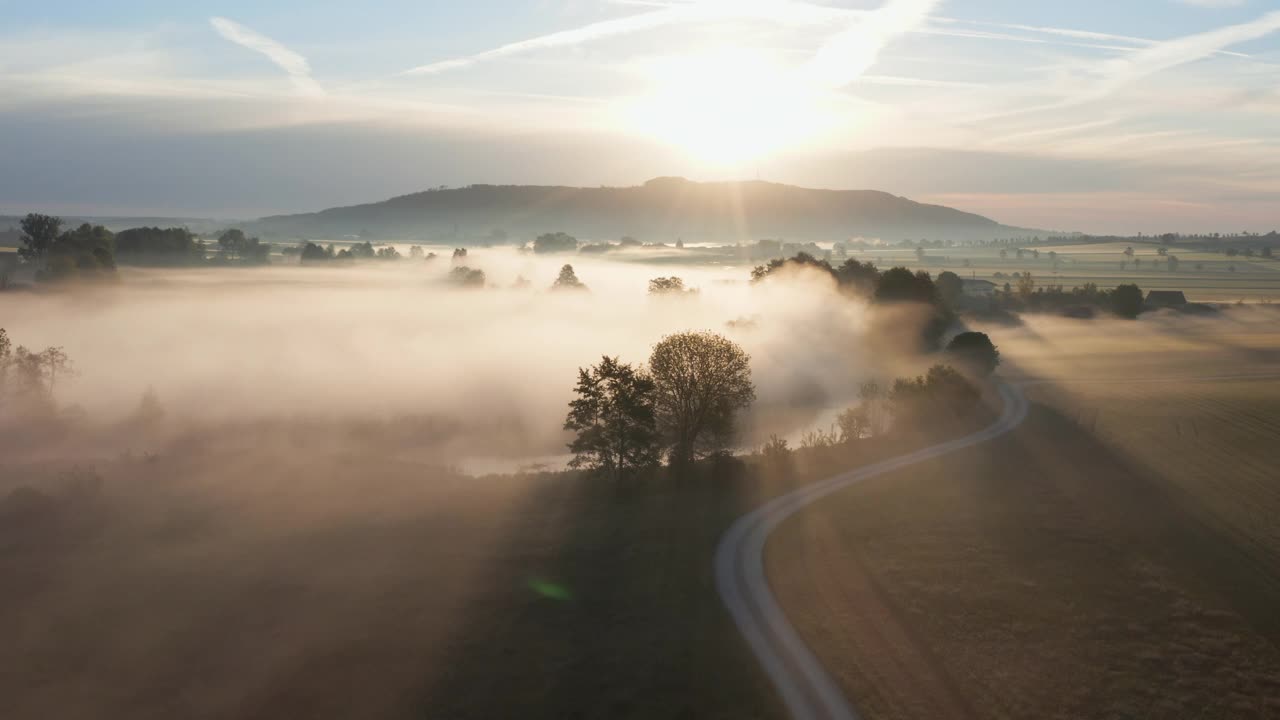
x: 1114, y: 557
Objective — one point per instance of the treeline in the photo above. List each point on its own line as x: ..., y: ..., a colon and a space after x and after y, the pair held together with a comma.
x: 310, y: 252
x: 1023, y: 294
x: 864, y: 279
x: 93, y: 251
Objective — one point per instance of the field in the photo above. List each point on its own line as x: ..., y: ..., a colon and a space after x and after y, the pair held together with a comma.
x: 1203, y: 276
x: 1116, y: 556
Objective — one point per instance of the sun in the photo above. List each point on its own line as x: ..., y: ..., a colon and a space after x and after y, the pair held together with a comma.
x: 725, y: 109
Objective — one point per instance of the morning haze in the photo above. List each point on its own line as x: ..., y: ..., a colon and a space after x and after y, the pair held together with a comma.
x: 761, y: 359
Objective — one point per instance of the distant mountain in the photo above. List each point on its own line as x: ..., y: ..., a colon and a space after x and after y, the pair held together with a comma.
x: 661, y: 210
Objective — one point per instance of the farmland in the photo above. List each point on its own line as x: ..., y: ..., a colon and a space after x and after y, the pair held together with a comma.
x: 1204, y: 276
x: 1116, y: 556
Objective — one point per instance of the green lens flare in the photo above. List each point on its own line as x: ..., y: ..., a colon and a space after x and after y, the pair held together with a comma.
x: 549, y: 589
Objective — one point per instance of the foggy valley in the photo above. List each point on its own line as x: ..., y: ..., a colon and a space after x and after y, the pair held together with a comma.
x: 759, y: 360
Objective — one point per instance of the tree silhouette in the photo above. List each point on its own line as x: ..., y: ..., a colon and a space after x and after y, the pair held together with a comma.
x: 974, y: 352
x: 950, y: 287
x: 702, y: 380
x: 554, y: 243
x: 1126, y: 301
x: 615, y: 420
x: 39, y: 232
x: 901, y: 285
x: 567, y: 280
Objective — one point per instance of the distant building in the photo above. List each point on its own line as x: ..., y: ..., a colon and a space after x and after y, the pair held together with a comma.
x: 1166, y: 298
x: 977, y: 288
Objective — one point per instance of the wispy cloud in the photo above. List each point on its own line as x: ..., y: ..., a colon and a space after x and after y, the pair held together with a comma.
x: 787, y: 12
x: 295, y: 65
x: 838, y: 61
x: 644, y: 21
x: 1120, y: 72
x: 850, y: 53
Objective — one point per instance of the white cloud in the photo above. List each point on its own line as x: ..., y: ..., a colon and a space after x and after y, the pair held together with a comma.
x: 295, y: 65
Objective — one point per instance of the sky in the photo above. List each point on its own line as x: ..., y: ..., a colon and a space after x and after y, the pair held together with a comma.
x: 1134, y: 116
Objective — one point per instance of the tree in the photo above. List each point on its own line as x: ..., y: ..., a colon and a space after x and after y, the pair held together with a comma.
x: 90, y: 248
x: 1026, y: 285
x: 39, y: 233
x: 312, y: 252
x: 669, y: 286
x: 801, y: 260
x: 950, y: 287
x: 901, y: 285
x: 459, y: 254
x: 615, y: 419
x: 942, y: 394
x: 860, y: 277
x: 568, y: 280
x: 416, y: 252
x: 974, y: 352
x: 233, y: 242
x: 1173, y: 263
x: 55, y: 362
x: 156, y: 246
x: 235, y: 246
x: 853, y: 424
x: 1126, y: 301
x: 463, y: 276
x: 701, y: 381
x: 554, y: 243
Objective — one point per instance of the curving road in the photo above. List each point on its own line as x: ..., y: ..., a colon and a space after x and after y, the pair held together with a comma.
x: 806, y: 688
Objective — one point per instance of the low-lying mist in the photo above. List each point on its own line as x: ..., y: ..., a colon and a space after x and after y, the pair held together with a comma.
x: 397, y: 352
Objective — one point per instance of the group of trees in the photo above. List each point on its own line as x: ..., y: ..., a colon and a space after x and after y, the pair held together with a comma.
x: 893, y: 286
x: 238, y: 248
x: 92, y: 251
x: 310, y: 252
x: 155, y: 246
x: 670, y: 287
x: 948, y: 391
x: 556, y: 242
x: 1125, y: 301
x: 683, y: 405
x: 28, y: 378
x: 86, y: 251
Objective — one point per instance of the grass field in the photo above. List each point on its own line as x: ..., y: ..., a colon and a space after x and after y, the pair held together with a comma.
x: 1114, y: 557
x: 353, y: 587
